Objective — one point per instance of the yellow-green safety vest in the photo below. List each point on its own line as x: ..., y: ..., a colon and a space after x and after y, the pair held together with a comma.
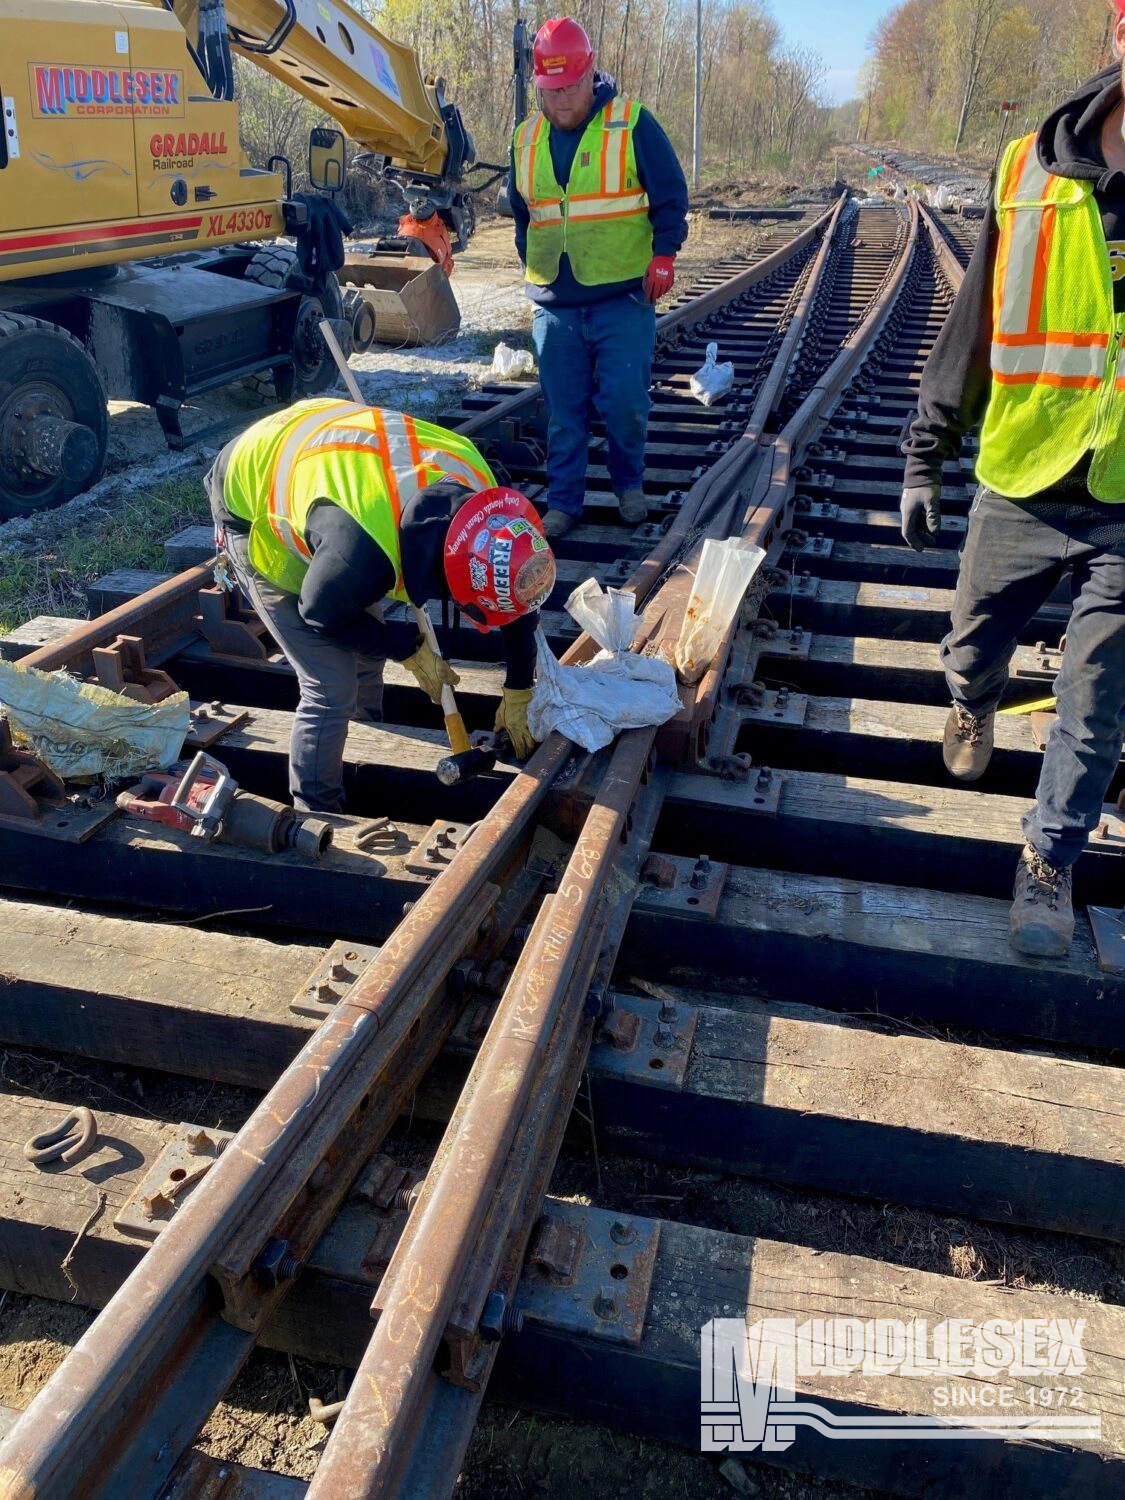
x: 1056, y: 341
x: 367, y: 461
x: 600, y: 220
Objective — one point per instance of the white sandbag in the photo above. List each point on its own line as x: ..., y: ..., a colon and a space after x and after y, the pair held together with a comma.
x: 82, y: 730
x: 712, y: 380
x: 510, y: 364
x: 616, y: 690
x: 721, y: 579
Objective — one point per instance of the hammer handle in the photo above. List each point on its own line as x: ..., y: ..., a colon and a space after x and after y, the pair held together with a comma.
x: 459, y: 740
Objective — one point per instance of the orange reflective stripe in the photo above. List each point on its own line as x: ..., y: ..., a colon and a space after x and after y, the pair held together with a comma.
x: 1039, y: 275
x: 1076, y: 340
x: 1062, y: 382
x: 289, y: 451
x: 531, y: 152
x: 622, y: 154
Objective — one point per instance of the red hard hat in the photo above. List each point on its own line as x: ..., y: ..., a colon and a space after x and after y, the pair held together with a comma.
x: 562, y: 53
x: 498, y: 563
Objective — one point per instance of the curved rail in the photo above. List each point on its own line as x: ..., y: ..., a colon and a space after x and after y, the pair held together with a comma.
x: 371, y: 1447
x: 135, y: 1388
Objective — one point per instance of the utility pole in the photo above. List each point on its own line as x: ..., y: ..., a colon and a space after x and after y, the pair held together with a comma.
x: 697, y: 130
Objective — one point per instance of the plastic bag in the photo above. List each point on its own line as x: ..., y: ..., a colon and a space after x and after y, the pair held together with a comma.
x: 82, y: 730
x: 712, y: 380
x: 722, y: 578
x: 616, y: 690
x: 510, y: 364
x: 943, y: 197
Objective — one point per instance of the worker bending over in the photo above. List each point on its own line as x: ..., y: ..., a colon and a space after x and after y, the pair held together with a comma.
x: 600, y: 207
x: 1033, y: 348
x: 327, y: 509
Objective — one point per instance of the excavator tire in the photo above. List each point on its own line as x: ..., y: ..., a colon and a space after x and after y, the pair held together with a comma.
x: 314, y: 368
x: 54, y: 430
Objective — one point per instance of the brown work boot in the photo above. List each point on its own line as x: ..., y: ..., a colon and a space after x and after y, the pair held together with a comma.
x: 967, y: 744
x: 633, y: 507
x: 1041, y: 923
x: 557, y: 523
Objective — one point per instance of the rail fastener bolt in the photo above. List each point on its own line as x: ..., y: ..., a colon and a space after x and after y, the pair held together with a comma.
x: 498, y: 1318
x: 276, y: 1264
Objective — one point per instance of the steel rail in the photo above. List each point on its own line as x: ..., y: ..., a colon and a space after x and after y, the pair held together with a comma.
x: 77, y: 1414
x: 431, y: 1260
x: 375, y: 1438
x: 944, y: 253
x: 744, y: 449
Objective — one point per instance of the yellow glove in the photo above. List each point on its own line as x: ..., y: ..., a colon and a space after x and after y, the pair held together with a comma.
x: 431, y: 671
x: 511, y: 718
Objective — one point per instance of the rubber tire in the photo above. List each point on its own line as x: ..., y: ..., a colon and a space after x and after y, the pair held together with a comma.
x: 33, y: 350
x: 273, y: 266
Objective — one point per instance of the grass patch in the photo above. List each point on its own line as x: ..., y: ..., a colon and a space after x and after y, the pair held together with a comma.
x: 48, y: 576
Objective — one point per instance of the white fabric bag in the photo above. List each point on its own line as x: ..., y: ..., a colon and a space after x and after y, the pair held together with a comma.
x: 712, y: 380
x: 616, y: 690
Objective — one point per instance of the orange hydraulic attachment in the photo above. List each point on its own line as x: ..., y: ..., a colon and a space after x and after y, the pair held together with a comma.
x: 433, y: 234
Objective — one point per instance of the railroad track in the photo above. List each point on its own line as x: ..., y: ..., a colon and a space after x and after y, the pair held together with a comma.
x: 768, y: 940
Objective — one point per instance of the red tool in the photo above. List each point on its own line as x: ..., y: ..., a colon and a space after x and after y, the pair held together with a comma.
x: 205, y: 801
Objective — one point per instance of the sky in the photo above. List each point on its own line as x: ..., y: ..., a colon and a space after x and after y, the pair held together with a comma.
x: 838, y: 29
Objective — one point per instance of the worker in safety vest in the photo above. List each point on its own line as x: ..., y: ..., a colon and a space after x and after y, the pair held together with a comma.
x: 600, y: 207
x: 1032, y: 348
x: 326, y: 510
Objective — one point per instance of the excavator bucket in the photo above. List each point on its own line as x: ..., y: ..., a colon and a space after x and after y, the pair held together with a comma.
x: 410, y: 296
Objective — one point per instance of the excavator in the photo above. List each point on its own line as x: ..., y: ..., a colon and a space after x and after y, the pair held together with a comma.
x: 139, y: 249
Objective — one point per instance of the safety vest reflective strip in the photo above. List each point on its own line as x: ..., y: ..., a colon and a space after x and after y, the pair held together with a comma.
x: 1023, y: 353
x: 611, y: 201
x: 279, y: 510
x: 407, y: 468
x: 615, y: 143
x: 545, y: 210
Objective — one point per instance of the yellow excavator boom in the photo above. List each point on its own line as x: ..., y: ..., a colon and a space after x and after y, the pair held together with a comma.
x: 372, y: 86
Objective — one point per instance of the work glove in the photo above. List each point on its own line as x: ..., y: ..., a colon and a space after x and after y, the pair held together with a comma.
x: 920, y: 510
x: 660, y: 276
x: 431, y: 671
x: 511, y: 719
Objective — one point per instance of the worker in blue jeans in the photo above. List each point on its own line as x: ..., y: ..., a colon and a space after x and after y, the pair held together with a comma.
x: 600, y: 207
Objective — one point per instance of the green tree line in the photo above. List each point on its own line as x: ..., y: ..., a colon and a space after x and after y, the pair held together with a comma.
x: 940, y: 69
x: 762, y: 105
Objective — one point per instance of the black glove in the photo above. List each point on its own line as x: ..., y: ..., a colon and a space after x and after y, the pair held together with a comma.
x: 920, y: 509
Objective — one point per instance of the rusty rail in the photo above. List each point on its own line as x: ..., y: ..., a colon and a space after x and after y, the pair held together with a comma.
x: 65, y: 1444
x: 951, y: 267
x: 373, y: 1444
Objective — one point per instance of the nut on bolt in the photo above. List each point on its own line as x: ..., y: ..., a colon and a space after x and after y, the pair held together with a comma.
x: 599, y: 1002
x: 498, y: 1318
x: 463, y: 977
x: 276, y: 1264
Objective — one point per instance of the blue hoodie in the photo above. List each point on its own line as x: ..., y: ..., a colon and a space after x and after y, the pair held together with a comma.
x: 660, y: 175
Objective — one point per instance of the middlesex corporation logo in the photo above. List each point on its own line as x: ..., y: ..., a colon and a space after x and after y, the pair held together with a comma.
x: 998, y: 1379
x: 57, y: 92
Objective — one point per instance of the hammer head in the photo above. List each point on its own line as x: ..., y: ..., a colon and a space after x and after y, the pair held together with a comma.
x: 455, y: 769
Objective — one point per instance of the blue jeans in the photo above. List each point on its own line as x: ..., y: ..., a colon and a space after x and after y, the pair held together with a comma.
x: 596, y: 356
x: 336, y: 684
x: 1011, y: 563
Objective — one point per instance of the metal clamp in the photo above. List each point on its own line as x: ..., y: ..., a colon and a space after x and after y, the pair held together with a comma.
x: 382, y: 837
x: 70, y: 1141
